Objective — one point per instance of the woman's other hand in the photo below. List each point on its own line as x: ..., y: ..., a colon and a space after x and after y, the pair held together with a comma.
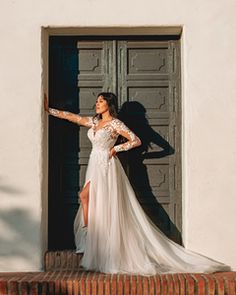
x: 112, y: 153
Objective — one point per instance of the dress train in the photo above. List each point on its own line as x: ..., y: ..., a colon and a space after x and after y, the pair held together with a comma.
x: 120, y: 237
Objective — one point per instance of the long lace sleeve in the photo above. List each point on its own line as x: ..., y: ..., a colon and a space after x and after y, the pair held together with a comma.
x: 133, y: 139
x: 75, y: 118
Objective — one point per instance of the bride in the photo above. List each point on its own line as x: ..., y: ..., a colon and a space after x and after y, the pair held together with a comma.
x: 111, y: 229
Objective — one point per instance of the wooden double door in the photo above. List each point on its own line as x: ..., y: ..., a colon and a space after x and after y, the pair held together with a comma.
x: 144, y: 72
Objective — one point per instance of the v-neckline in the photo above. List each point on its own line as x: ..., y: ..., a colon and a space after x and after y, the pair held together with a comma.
x: 95, y: 131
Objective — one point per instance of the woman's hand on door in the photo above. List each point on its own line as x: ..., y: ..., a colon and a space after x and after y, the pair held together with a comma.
x: 46, y: 107
x: 74, y: 118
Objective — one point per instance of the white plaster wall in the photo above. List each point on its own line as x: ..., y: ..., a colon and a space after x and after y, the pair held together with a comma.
x: 209, y: 108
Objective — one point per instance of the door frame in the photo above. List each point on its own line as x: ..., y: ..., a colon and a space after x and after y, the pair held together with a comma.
x: 46, y: 32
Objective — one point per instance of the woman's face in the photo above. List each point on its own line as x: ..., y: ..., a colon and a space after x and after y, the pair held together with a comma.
x: 101, y: 105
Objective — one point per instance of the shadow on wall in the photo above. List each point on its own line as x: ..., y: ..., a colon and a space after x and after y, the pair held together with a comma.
x: 18, y: 228
x: 133, y: 114
x: 11, y: 191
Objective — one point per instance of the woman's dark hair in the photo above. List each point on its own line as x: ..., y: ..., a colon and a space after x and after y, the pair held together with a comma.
x: 112, y: 103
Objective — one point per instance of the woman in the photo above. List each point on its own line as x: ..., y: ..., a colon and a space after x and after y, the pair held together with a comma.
x: 111, y: 228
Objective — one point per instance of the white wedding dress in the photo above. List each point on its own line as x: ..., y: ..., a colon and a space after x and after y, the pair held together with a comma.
x: 120, y: 237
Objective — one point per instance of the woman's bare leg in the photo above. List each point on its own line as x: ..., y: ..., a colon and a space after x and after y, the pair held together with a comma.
x: 84, y: 197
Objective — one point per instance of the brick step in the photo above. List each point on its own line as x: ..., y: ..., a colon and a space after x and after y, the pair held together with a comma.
x: 61, y: 260
x: 94, y: 283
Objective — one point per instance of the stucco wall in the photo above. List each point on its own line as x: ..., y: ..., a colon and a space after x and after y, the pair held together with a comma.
x: 209, y: 108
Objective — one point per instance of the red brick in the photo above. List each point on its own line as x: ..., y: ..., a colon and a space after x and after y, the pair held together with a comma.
x: 200, y: 284
x: 133, y: 284
x: 145, y: 286
x: 176, y: 284
x: 151, y: 286
x: 50, y: 261
x: 139, y: 285
x: 210, y: 284
x: 182, y: 284
x: 101, y: 284
x: 57, y: 286
x: 113, y: 284
x: 51, y: 287
x: 190, y: 284
x: 127, y: 290
x: 67, y: 258
x: 33, y: 288
x: 120, y: 284
x: 88, y: 284
x: 82, y: 284
x: 63, y: 286
x: 3, y: 287
x: 229, y: 285
x: 170, y: 284
x: 158, y: 285
x: 107, y: 282
x: 220, y: 287
x: 69, y: 287
x: 94, y: 283
x: 57, y: 260
x: 44, y: 288
x: 13, y: 288
x: 164, y: 289
x: 24, y: 288
x: 76, y: 287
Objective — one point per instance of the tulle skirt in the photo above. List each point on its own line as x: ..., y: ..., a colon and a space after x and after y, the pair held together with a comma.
x: 120, y: 237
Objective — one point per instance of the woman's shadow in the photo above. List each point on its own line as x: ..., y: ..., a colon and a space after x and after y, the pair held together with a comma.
x: 133, y: 114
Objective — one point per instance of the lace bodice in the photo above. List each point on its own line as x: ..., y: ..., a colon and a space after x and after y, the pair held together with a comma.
x: 103, y: 137
x: 106, y: 136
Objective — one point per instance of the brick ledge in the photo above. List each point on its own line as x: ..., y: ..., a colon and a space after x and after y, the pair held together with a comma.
x: 83, y: 282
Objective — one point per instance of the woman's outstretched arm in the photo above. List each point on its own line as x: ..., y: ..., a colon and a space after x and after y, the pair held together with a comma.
x: 74, y: 118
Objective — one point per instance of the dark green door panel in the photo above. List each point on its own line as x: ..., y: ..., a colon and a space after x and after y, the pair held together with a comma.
x: 149, y: 89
